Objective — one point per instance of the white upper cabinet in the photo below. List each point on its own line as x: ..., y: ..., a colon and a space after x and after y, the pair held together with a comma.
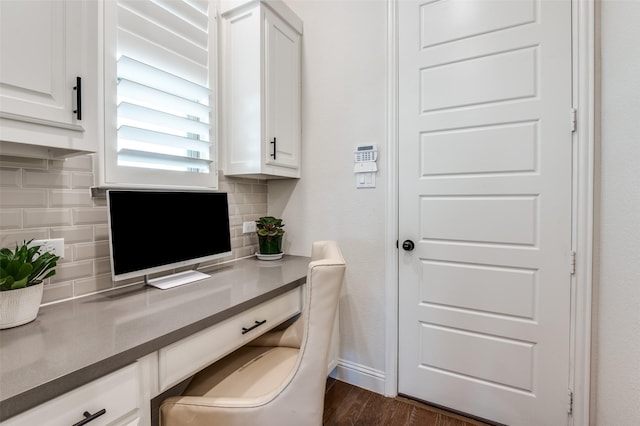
x: 260, y: 86
x: 48, y: 78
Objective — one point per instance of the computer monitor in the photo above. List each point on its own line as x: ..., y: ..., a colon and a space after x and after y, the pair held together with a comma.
x: 152, y: 231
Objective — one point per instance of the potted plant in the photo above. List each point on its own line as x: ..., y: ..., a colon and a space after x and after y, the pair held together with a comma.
x: 22, y: 272
x: 270, y: 234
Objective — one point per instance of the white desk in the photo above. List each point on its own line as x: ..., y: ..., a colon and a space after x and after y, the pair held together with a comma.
x: 146, y: 338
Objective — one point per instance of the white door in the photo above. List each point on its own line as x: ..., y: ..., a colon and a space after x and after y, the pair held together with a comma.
x: 485, y: 194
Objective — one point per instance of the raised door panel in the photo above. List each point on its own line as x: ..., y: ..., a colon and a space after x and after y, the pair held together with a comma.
x: 241, y: 88
x: 282, y: 93
x: 39, y: 60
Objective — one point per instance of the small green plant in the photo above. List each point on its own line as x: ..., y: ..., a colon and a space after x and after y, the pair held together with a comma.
x: 25, y: 266
x: 269, y: 226
x: 270, y: 233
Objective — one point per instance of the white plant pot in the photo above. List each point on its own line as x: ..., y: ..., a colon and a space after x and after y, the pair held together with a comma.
x: 20, y: 306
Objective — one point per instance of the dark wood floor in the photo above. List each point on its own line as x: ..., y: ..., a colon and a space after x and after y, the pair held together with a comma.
x: 345, y: 404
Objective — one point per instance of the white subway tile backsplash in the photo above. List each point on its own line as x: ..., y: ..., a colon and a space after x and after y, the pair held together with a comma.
x: 83, y: 163
x: 90, y: 216
x: 10, y: 238
x: 225, y: 186
x: 91, y: 250
x: 262, y: 188
x: 235, y: 220
x: 57, y: 204
x: 242, y: 188
x: 103, y: 266
x: 242, y: 209
x: 55, y: 292
x: 259, y: 209
x: 255, y: 198
x: 10, y: 218
x: 36, y: 218
x: 68, y: 255
x: 18, y: 197
x: 235, y: 198
x: 246, y: 251
x: 73, y: 271
x: 10, y: 177
x: 92, y: 285
x: 33, y: 163
x: 73, y: 234
x: 100, y: 232
x: 82, y: 180
x: 70, y: 198
x: 253, y: 216
x: 45, y: 179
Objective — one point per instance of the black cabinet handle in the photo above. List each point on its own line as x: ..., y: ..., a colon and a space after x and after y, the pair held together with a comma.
x: 246, y: 330
x: 78, y: 89
x: 274, y: 148
x: 89, y: 417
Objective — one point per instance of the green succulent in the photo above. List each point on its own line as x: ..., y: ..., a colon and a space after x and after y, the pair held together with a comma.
x: 25, y: 266
x: 269, y: 226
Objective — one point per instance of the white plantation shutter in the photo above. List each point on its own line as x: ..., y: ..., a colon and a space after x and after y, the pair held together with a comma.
x: 162, y: 72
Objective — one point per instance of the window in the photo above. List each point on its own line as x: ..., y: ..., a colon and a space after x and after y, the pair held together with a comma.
x: 159, y: 71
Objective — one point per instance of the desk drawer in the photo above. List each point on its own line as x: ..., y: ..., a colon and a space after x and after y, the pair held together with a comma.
x: 190, y: 355
x: 117, y: 393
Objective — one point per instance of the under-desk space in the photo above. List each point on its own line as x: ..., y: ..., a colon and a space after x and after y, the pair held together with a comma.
x: 166, y: 335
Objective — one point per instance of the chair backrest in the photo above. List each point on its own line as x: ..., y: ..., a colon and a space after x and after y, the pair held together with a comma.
x: 324, y: 282
x: 321, y: 250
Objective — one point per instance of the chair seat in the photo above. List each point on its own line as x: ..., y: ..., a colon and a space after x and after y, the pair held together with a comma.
x: 251, y: 372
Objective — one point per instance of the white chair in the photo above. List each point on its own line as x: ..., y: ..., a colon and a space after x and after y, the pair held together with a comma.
x: 278, y: 379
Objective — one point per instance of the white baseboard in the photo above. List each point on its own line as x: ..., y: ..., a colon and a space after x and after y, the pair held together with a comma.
x: 360, y: 375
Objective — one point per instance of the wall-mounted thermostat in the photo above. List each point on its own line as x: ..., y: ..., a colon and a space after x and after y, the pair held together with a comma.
x: 365, y: 157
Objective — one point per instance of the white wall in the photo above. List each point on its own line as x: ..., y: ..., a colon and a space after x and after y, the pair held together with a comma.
x: 343, y: 104
x: 618, y: 328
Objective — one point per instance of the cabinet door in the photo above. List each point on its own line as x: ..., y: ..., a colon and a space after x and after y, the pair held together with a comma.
x: 40, y: 50
x: 114, y: 400
x: 282, y: 92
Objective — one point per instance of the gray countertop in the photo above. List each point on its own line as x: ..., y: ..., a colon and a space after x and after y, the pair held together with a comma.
x: 72, y: 343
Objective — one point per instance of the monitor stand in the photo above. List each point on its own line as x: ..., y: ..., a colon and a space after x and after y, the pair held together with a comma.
x: 175, y: 280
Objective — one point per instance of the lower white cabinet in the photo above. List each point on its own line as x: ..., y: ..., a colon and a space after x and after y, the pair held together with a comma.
x: 118, y: 394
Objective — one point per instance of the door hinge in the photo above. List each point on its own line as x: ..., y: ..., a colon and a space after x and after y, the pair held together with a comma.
x: 569, y: 401
x: 574, y: 119
x: 572, y: 263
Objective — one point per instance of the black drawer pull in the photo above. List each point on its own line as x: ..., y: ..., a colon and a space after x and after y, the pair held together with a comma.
x: 90, y: 417
x: 246, y: 330
x: 78, y: 89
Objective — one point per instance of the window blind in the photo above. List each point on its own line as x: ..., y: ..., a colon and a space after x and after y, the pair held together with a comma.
x: 164, y: 100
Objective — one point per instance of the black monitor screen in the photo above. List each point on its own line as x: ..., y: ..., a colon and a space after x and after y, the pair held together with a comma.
x: 154, y: 231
